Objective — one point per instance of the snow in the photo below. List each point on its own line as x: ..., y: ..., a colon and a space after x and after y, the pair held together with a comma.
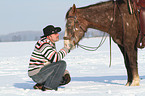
x: 90, y: 72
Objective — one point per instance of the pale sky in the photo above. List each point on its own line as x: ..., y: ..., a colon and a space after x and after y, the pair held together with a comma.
x: 34, y: 15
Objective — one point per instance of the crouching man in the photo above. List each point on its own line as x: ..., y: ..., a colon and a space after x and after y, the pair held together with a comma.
x: 46, y: 66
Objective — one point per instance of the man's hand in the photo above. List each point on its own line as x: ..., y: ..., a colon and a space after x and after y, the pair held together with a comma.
x: 68, y: 46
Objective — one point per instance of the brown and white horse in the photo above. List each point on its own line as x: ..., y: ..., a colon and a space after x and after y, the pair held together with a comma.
x: 113, y: 16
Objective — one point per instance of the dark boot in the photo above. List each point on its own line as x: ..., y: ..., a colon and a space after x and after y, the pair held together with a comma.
x: 37, y: 86
x: 66, y: 78
x: 45, y: 89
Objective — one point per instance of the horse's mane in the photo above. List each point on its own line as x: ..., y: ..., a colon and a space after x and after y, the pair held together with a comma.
x: 100, y: 3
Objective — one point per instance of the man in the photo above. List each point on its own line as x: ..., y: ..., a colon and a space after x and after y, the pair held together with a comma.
x: 46, y: 66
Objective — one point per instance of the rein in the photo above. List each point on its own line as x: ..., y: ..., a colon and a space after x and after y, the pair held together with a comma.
x: 93, y: 48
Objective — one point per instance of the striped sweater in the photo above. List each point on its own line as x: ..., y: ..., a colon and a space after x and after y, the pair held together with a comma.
x: 44, y: 53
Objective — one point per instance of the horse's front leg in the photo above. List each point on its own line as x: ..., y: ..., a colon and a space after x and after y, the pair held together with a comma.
x: 133, y: 76
x: 126, y: 61
x: 132, y: 69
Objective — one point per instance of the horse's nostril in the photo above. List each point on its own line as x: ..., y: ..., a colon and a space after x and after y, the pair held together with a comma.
x: 66, y: 38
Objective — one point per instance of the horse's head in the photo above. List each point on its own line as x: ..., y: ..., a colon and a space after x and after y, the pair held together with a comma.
x: 75, y: 27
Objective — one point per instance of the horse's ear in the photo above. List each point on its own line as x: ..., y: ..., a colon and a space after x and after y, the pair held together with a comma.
x: 74, y: 8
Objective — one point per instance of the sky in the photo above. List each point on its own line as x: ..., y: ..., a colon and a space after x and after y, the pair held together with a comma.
x: 34, y: 15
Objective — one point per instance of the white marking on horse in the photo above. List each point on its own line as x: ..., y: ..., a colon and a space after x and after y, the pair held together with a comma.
x: 127, y: 24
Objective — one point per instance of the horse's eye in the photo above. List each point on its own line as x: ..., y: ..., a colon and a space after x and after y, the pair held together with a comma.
x: 68, y: 24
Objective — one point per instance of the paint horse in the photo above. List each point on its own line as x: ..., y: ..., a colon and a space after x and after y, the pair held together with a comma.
x: 113, y: 18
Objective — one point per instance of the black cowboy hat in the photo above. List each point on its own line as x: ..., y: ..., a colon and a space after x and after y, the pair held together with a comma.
x: 50, y: 29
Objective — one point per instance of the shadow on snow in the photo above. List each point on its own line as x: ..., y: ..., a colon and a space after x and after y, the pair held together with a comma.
x: 102, y: 79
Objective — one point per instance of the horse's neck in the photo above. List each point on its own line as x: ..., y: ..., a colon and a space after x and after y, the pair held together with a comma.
x: 99, y: 16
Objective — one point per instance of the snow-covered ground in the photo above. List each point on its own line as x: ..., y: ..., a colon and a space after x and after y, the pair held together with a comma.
x: 90, y: 72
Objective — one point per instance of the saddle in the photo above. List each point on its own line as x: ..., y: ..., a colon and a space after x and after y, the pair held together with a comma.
x: 139, y: 9
x: 140, y: 3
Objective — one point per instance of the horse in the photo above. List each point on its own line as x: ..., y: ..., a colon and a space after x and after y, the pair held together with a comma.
x: 113, y: 18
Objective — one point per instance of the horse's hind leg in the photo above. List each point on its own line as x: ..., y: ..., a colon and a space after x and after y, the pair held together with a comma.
x: 130, y: 58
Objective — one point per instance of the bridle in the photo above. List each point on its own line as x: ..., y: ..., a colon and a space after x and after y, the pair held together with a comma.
x: 83, y: 46
x: 74, y: 29
x: 76, y: 21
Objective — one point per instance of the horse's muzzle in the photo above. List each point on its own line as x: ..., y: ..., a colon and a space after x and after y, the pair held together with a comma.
x: 68, y: 38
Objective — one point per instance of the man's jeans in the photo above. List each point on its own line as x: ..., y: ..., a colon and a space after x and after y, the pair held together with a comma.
x: 51, y: 75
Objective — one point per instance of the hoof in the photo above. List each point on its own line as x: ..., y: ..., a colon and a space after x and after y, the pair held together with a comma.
x: 134, y: 83
x: 127, y: 84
